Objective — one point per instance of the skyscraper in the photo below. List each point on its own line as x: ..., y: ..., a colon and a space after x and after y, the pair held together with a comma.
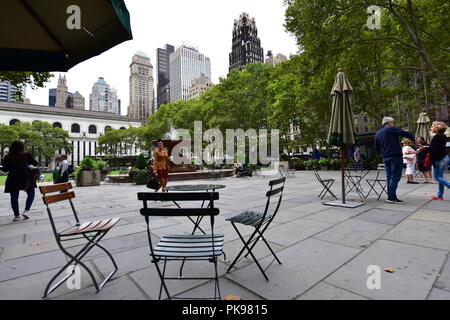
x: 7, y: 92
x: 246, y: 44
x: 78, y: 101
x: 199, y: 86
x: 186, y: 64
x: 274, y: 60
x: 103, y: 98
x: 141, y: 88
x: 163, y: 67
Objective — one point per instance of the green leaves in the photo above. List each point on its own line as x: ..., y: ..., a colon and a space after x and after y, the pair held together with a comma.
x: 21, y: 79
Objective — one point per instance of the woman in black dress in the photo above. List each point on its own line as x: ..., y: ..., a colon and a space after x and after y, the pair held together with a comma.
x: 16, y: 163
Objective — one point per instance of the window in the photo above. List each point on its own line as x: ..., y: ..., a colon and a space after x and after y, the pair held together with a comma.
x: 123, y: 128
x: 108, y: 128
x: 75, y: 128
x: 92, y: 129
x: 57, y: 125
x: 13, y: 122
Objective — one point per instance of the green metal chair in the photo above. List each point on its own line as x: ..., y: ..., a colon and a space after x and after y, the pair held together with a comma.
x: 261, y: 222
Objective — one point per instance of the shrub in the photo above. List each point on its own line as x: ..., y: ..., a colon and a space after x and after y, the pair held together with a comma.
x: 141, y: 177
x: 141, y: 162
x: 102, y: 165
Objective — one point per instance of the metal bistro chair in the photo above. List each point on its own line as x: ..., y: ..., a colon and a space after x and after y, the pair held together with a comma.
x: 92, y: 232
x: 184, y: 247
x: 326, y: 184
x: 354, y: 174
x: 378, y: 180
x: 261, y: 222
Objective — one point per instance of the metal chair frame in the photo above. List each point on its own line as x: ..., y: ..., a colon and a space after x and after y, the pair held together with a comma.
x: 326, y: 184
x: 92, y: 232
x: 184, y: 247
x: 372, y: 183
x: 261, y: 223
x: 354, y: 174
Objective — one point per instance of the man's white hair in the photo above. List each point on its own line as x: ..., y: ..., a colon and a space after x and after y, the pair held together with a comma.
x: 387, y: 120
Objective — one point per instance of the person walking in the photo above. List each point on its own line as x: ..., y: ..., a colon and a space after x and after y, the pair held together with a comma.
x: 439, y: 157
x: 410, y: 159
x: 161, y: 165
x: 16, y: 164
x: 421, y: 155
x: 63, y: 170
x: 357, y: 155
x: 387, y: 142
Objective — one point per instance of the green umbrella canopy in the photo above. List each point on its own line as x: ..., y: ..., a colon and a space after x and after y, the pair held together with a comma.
x: 43, y: 35
x: 342, y: 128
x: 424, y: 127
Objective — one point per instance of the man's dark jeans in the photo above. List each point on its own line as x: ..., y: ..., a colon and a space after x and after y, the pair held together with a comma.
x: 394, y: 169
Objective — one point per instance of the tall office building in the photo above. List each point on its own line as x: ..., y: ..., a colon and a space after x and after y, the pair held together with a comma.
x: 186, y: 64
x: 199, y: 86
x: 78, y: 101
x: 246, y: 44
x: 103, y: 98
x: 163, y: 67
x: 7, y: 92
x: 141, y: 88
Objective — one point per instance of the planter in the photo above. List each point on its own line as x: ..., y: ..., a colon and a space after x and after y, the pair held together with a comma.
x: 89, y: 179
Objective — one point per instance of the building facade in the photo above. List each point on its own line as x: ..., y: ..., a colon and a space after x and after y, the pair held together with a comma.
x: 79, y: 102
x: 199, y: 86
x: 62, y: 93
x: 103, y: 98
x: 141, y: 88
x: 7, y: 92
x: 186, y: 64
x: 274, y: 60
x: 84, y: 127
x: 246, y: 46
x: 163, y: 74
x: 62, y: 98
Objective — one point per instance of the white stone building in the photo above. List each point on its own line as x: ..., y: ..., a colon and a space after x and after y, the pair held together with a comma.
x: 84, y: 127
x: 199, y: 86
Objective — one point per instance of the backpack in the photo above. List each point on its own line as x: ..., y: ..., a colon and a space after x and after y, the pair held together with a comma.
x: 33, y: 173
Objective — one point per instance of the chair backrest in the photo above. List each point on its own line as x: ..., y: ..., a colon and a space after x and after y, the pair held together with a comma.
x: 148, y: 212
x: 58, y: 193
x: 274, y: 198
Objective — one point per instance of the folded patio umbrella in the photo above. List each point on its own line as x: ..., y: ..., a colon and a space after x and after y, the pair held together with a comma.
x: 424, y: 127
x: 49, y: 35
x: 342, y: 128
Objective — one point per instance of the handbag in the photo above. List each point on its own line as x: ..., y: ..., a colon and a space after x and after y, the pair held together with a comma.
x: 427, y: 162
x: 154, y: 183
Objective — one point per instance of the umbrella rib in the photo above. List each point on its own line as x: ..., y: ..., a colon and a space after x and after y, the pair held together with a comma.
x: 42, y: 24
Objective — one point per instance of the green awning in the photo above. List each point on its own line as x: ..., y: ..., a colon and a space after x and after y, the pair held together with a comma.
x: 42, y: 35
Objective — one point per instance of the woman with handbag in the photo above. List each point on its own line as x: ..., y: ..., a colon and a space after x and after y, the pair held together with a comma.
x: 17, y: 163
x: 161, y: 165
x: 410, y: 159
x: 439, y: 157
x: 422, y: 154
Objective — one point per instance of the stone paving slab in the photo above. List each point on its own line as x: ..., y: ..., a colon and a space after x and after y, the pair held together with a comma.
x: 325, y: 291
x: 295, y: 231
x: 438, y: 294
x: 354, y: 233
x: 443, y: 281
x: 304, y: 264
x: 389, y: 217
x: 416, y: 269
x: 432, y: 215
x: 227, y: 288
x: 423, y: 233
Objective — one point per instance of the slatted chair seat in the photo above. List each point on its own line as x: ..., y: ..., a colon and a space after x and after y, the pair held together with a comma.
x: 250, y: 218
x: 182, y: 247
x: 92, y: 232
x: 89, y: 227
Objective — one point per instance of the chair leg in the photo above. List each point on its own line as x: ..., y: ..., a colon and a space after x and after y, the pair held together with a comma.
x: 162, y: 278
x: 217, y: 284
x: 243, y: 248
x: 246, y: 243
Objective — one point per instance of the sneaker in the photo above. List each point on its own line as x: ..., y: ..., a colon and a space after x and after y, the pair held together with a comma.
x: 391, y: 201
x: 26, y: 215
x: 437, y: 198
x: 18, y: 218
x: 398, y: 201
x: 394, y: 201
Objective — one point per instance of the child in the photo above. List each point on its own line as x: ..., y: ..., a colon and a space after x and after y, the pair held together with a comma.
x: 410, y: 159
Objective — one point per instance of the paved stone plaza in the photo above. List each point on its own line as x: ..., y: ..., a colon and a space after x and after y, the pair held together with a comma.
x: 325, y: 251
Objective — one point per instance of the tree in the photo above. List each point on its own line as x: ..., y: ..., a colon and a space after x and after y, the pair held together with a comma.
x: 21, y: 79
x: 7, y: 136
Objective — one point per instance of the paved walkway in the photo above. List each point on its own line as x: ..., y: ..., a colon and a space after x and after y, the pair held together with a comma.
x: 325, y: 251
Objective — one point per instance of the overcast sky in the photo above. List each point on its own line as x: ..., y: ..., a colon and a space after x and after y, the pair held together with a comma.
x: 207, y: 24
